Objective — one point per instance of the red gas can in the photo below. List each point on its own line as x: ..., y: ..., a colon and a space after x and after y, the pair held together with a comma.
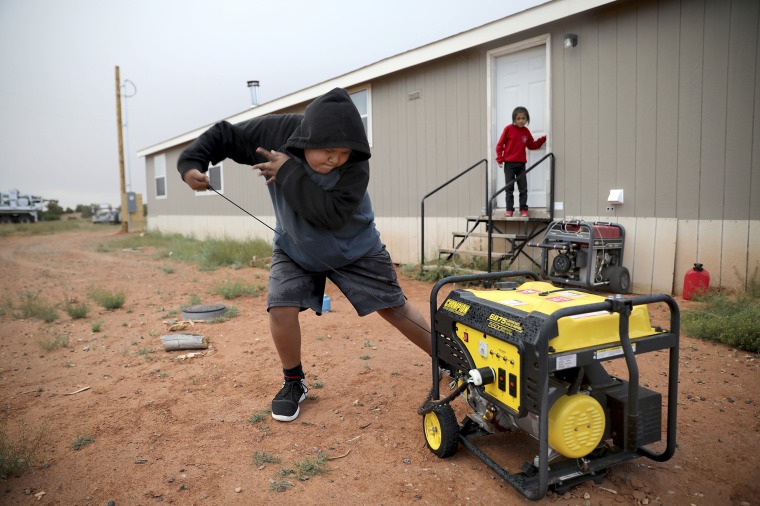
x: 696, y: 280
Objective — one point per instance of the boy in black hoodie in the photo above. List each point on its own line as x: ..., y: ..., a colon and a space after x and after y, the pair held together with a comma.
x: 317, y: 174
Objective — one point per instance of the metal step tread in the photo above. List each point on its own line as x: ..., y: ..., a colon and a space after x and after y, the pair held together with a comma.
x: 485, y: 234
x: 475, y: 253
x: 501, y: 217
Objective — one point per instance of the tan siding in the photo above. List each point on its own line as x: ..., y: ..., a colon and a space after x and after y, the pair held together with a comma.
x: 429, y: 148
x: 753, y: 249
x: 643, y: 254
x: 666, y: 126
x: 381, y: 161
x: 629, y: 224
x: 574, y: 193
x: 608, y: 114
x: 663, y: 280
x: 709, y: 248
x: 742, y: 50
x: 626, y: 98
x: 733, y: 266
x: 559, y: 138
x: 240, y: 228
x: 687, y: 240
x: 690, y: 110
x: 754, y: 206
x: 589, y: 114
x: 714, y: 76
x: 646, y: 111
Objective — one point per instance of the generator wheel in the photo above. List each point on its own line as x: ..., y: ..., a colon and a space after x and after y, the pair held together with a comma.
x: 620, y: 279
x: 441, y: 430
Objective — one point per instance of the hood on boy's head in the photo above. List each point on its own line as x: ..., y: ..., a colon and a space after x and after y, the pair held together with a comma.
x: 331, y: 121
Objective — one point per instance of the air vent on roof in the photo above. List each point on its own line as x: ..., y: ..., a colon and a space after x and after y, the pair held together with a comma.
x: 254, y: 86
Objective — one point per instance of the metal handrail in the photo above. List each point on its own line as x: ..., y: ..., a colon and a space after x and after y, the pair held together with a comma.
x: 422, y: 204
x: 488, y: 202
x: 489, y: 207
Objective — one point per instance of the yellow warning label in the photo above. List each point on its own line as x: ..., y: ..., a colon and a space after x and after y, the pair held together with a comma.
x: 504, y: 325
x: 456, y: 307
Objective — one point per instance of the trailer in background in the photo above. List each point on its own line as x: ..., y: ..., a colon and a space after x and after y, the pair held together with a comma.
x: 16, y: 207
x: 105, y: 213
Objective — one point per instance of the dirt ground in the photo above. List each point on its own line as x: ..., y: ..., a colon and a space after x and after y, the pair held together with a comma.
x: 169, y: 427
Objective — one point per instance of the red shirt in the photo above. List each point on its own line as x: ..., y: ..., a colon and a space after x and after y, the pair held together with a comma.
x: 513, y: 142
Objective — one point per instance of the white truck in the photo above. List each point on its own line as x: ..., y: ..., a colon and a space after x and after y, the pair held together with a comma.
x: 105, y: 213
x: 16, y: 207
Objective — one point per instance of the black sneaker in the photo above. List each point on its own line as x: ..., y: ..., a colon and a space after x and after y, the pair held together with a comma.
x: 285, y: 403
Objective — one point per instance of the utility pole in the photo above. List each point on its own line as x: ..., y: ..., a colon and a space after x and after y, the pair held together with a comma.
x: 122, y: 185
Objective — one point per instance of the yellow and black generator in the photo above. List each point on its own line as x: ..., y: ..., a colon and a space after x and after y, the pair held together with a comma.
x: 529, y: 357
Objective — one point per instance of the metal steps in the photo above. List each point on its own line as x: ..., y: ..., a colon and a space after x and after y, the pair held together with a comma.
x: 508, y: 238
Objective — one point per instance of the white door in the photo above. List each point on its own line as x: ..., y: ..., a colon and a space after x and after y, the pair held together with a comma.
x: 520, y: 80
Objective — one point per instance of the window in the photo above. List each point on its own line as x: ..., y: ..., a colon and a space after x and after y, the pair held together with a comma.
x: 159, y: 169
x: 215, y: 179
x: 361, y: 100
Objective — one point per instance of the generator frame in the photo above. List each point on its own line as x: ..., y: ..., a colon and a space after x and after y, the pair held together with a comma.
x: 534, y: 483
x: 583, y: 253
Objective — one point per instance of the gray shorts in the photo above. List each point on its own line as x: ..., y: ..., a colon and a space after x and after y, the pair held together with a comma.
x: 369, y: 283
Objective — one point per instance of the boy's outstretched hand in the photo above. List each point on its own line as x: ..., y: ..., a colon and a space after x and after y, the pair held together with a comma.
x: 196, y: 180
x: 270, y: 168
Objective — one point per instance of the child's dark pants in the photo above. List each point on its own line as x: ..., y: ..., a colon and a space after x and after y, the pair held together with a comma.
x: 511, y: 171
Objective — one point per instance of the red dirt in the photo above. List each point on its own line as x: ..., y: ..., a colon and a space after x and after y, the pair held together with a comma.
x: 170, y: 430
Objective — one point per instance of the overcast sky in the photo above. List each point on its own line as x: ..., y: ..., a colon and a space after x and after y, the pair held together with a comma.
x: 189, y: 61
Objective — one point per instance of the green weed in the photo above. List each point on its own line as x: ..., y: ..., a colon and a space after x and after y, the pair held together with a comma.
x: 261, y: 458
x: 54, y: 343
x: 76, y: 310
x: 436, y: 272
x: 234, y: 289
x: 33, y: 306
x: 229, y: 313
x: 279, y: 486
x: 96, y: 326
x: 257, y: 417
x: 18, y: 452
x: 308, y: 468
x: 209, y: 254
x: 730, y: 319
x: 146, y: 353
x: 106, y: 298
x: 45, y: 227
x: 81, y: 442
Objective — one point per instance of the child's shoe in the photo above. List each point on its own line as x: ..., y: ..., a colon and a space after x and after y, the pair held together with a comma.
x: 509, y: 214
x: 285, y: 404
x: 524, y: 213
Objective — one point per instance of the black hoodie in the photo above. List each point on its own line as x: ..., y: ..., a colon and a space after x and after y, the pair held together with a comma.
x: 323, y: 220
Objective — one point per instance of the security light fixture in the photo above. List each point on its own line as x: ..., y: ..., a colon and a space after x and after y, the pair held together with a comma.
x: 571, y: 40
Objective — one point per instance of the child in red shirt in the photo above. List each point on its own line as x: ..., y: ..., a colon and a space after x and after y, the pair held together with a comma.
x: 510, y: 154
